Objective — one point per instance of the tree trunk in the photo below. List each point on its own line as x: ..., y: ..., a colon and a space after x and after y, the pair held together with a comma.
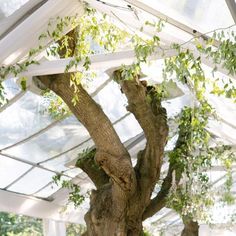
x: 190, y: 228
x: 109, y: 215
x: 116, y: 206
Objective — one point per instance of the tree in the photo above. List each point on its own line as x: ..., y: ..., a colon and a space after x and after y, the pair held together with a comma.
x: 123, y: 196
x: 11, y: 224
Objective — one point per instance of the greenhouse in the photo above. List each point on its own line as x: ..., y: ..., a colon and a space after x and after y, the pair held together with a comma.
x: 117, y: 118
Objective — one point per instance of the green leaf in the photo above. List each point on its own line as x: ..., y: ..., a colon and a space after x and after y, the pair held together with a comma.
x: 23, y: 83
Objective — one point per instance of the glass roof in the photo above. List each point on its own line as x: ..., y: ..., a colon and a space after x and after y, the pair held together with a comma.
x: 32, y: 181
x: 8, y: 7
x: 201, y: 15
x: 11, y: 170
x: 34, y: 147
x: 22, y: 119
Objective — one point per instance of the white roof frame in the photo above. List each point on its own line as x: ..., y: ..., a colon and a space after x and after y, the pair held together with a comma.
x: 109, y: 60
x: 37, y: 22
x: 9, y: 23
x: 13, y: 46
x: 34, y: 207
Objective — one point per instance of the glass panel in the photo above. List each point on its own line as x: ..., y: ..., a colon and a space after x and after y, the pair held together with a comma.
x: 135, y: 149
x: 112, y: 101
x: 22, y: 119
x: 8, y: 7
x: 64, y: 162
x: 217, y: 178
x: 10, y: 170
x: 53, y: 142
x: 222, y: 130
x: 175, y: 105
x: 49, y: 190
x: 202, y: 15
x: 10, y: 88
x: 32, y: 182
x: 93, y: 84
x: 128, y: 128
x: 225, y: 108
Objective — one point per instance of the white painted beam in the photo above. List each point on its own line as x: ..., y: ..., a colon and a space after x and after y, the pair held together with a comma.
x: 15, y: 45
x: 25, y: 205
x: 221, y: 168
x: 53, y: 228
x: 103, y: 61
x: 8, y: 23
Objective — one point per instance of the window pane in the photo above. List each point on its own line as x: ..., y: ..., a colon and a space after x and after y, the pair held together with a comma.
x: 33, y: 181
x: 49, y: 190
x: 22, y: 119
x: 10, y: 170
x: 62, y: 163
x: 202, y: 15
x: 8, y: 7
x: 56, y: 140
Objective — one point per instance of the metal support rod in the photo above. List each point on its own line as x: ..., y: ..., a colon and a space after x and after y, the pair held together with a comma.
x: 232, y: 8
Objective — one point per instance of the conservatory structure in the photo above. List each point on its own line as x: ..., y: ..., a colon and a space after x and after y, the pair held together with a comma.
x: 39, y: 145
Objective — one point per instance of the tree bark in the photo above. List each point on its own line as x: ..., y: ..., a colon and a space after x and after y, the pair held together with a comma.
x: 90, y: 167
x: 190, y: 228
x: 122, y: 199
x: 123, y: 192
x: 110, y: 203
x: 147, y: 109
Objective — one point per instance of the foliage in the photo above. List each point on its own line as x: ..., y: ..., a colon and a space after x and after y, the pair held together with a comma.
x: 75, y: 229
x: 193, y: 196
x: 11, y: 224
x: 224, y: 52
x: 55, y: 106
x: 228, y: 160
x: 74, y: 195
x: 3, y: 99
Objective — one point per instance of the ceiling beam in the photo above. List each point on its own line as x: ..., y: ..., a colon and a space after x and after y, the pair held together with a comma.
x: 34, y: 207
x: 22, y: 18
x: 111, y: 60
x: 17, y: 43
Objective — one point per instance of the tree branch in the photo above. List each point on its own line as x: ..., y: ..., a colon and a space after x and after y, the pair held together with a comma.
x: 175, y: 167
x: 111, y: 154
x: 90, y: 167
x: 147, y: 109
x: 157, y: 203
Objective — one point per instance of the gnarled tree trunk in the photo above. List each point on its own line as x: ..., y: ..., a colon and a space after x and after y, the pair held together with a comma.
x: 123, y: 192
x: 190, y: 228
x: 122, y: 199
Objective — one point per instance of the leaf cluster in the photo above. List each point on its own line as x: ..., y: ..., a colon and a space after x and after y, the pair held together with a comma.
x: 74, y: 195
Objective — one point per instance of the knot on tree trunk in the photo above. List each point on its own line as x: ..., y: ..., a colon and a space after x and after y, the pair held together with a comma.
x: 118, y: 169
